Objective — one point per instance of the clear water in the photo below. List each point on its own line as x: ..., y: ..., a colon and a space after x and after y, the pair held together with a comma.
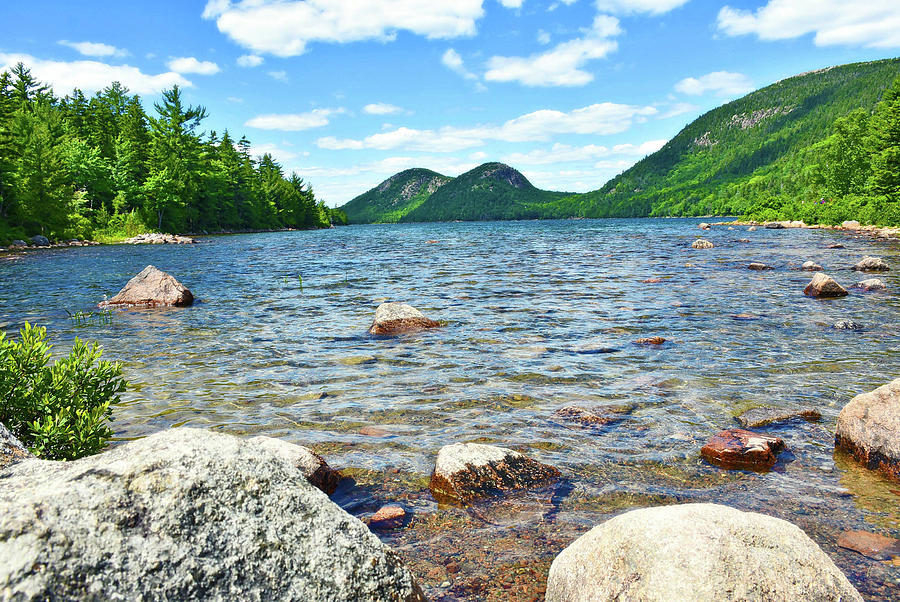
x: 526, y: 306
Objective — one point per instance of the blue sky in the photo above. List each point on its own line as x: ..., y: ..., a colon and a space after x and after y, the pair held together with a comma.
x: 348, y: 92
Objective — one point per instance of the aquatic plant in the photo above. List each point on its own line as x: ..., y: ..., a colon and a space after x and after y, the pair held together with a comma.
x: 59, y: 411
x: 90, y: 318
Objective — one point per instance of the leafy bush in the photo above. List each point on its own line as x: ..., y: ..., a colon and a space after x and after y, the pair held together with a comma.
x: 58, y: 411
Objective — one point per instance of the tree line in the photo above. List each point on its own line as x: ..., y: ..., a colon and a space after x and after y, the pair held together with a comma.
x: 102, y: 167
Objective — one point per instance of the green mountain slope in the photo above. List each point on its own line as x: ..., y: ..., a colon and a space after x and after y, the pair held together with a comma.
x: 395, y: 197
x: 737, y: 156
x: 492, y: 191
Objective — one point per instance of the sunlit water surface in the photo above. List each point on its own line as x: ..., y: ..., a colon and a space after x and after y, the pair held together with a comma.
x: 527, y: 307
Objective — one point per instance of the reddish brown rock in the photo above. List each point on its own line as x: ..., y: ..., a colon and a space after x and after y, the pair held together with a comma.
x: 650, y: 341
x: 744, y: 450
x: 372, y: 431
x: 466, y: 472
x: 652, y: 281
x: 388, y: 517
x: 871, y: 545
x: 151, y: 288
x: 822, y: 286
x: 398, y: 318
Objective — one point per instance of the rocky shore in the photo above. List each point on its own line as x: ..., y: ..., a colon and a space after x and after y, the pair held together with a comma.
x: 847, y: 226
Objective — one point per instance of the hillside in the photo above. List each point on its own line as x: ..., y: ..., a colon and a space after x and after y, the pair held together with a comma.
x: 742, y: 154
x: 394, y: 198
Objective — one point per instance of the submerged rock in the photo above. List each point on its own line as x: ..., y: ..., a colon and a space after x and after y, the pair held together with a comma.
x: 871, y: 264
x: 186, y: 514
x: 598, y: 417
x: 764, y: 415
x: 869, y: 428
x: 759, y: 266
x: 695, y: 552
x: 702, y: 243
x: 811, y: 266
x: 742, y: 450
x: 871, y: 284
x: 152, y: 288
x: 871, y: 545
x: 465, y: 472
x: 650, y: 341
x: 11, y: 449
x: 388, y: 517
x: 398, y: 318
x: 825, y: 287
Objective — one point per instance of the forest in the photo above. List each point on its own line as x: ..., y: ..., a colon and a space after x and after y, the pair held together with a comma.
x: 103, y: 168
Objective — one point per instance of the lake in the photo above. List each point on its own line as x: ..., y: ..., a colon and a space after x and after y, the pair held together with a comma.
x: 539, y: 316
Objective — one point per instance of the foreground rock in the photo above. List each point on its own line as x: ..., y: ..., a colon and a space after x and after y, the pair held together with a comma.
x: 702, y: 243
x: 737, y: 449
x: 823, y: 286
x: 869, y: 428
x: 155, y: 238
x: 695, y: 552
x: 871, y: 284
x: 398, y: 318
x: 313, y: 467
x: 465, y: 472
x: 11, y: 449
x: 871, y: 264
x: 811, y: 266
x: 186, y: 515
x: 761, y: 416
x: 152, y: 288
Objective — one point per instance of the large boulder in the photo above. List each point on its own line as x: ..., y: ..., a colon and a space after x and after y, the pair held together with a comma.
x: 11, y: 449
x: 40, y: 240
x: 314, y: 468
x: 871, y: 264
x: 695, y: 552
x: 151, y: 288
x: 869, y: 428
x: 465, y: 472
x: 825, y: 287
x: 398, y: 318
x: 186, y: 515
x: 702, y: 243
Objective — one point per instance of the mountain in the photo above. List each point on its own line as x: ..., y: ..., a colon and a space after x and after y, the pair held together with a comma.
x: 759, y: 155
x: 391, y: 200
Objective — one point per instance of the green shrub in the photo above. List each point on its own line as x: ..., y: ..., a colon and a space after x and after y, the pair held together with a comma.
x: 58, y: 411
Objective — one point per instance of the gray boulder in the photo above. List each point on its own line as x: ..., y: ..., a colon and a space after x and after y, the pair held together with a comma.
x: 314, y: 468
x: 19, y: 243
x: 702, y: 243
x: 186, y: 515
x: 811, y: 266
x: 695, y: 552
x: 11, y: 449
x: 871, y: 264
x: 465, y: 472
x: 40, y: 241
x: 151, y: 288
x: 871, y: 284
x: 398, y: 318
x: 847, y: 325
x: 825, y: 287
x: 869, y: 428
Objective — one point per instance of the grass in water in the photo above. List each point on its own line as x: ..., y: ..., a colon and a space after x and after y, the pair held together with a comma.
x: 82, y: 319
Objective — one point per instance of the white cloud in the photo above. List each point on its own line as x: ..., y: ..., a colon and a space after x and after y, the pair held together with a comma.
x: 721, y: 83
x: 454, y: 62
x: 564, y: 153
x: 281, y: 76
x: 285, y: 27
x: 249, y: 60
x: 874, y: 23
x: 382, y: 108
x: 562, y: 65
x: 543, y: 38
x: 293, y: 122
x: 598, y: 119
x: 679, y: 108
x: 91, y: 76
x: 511, y: 3
x: 94, y: 48
x: 625, y: 7
x: 189, y: 64
x: 280, y: 155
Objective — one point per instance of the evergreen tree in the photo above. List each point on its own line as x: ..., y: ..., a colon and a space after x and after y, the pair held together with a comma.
x: 886, y: 143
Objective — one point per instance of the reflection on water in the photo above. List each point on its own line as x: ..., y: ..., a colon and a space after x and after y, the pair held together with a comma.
x: 540, y: 315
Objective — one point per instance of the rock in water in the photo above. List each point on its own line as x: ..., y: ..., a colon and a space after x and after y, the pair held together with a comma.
x: 825, y: 287
x: 695, y: 552
x: 398, y: 318
x: 869, y: 428
x: 811, y: 266
x: 388, y: 517
x: 703, y: 226
x: 775, y: 225
x: 465, y: 472
x: 11, y: 449
x: 871, y: 545
x: 151, y: 288
x: 650, y: 341
x: 751, y: 229
x: 847, y: 325
x: 761, y: 416
x: 186, y: 515
x: 871, y: 264
x: 702, y: 243
x: 742, y: 450
x: 759, y: 266
x: 314, y: 468
x: 871, y: 284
